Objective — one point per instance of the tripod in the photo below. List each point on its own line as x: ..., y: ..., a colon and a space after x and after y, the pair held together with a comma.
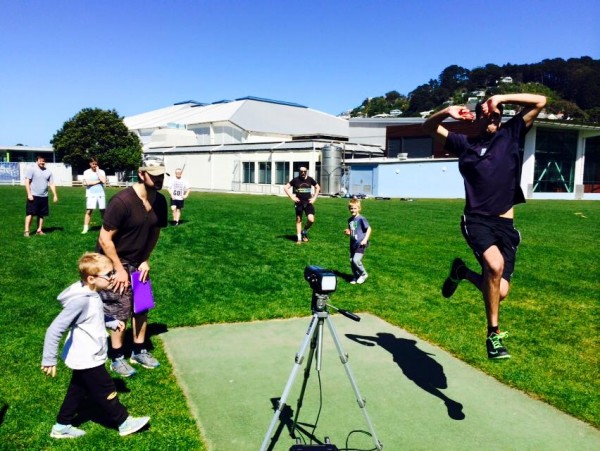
x: 314, y: 337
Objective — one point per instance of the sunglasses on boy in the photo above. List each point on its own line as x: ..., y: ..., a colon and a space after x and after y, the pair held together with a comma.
x: 108, y: 276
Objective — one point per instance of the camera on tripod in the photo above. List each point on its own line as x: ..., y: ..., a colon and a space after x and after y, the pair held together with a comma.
x: 322, y: 281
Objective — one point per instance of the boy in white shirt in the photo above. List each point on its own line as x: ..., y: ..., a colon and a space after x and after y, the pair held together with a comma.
x: 85, y: 350
x: 94, y: 180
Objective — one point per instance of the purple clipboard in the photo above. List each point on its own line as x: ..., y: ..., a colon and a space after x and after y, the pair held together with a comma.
x: 143, y: 300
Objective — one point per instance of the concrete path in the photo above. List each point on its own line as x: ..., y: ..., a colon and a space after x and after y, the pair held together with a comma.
x: 418, y: 396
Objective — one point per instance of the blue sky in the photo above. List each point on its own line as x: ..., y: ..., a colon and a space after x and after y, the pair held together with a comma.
x: 57, y: 57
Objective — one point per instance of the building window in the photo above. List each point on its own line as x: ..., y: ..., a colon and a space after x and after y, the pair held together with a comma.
x: 264, y: 172
x: 249, y: 172
x: 227, y: 134
x: 202, y: 134
x: 554, y: 161
x: 591, y: 169
x: 412, y: 147
x: 282, y: 171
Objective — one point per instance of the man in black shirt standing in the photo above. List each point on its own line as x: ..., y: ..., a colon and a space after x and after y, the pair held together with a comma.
x: 130, y: 231
x: 491, y: 168
x: 300, y: 190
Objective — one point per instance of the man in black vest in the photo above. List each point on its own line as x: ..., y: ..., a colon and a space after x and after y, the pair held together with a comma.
x: 300, y: 190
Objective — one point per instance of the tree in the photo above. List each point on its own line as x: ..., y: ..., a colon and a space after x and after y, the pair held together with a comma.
x: 94, y: 132
x: 593, y: 115
x: 454, y: 77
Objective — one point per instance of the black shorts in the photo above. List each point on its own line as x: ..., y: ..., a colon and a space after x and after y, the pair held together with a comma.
x: 177, y: 203
x: 482, y: 232
x: 305, y: 207
x: 37, y: 207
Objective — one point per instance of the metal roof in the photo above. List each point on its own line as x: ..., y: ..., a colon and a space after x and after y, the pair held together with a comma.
x: 252, y: 114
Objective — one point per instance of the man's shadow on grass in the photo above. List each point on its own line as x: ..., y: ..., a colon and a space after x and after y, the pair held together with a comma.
x: 288, y: 237
x: 343, y: 275
x: 3, y: 411
x: 417, y: 365
x: 49, y: 230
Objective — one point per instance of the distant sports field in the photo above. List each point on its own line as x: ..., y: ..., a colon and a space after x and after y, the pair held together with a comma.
x: 234, y: 259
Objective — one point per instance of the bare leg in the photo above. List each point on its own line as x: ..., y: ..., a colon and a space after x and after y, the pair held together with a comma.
x: 40, y: 224
x: 28, y: 219
x: 139, y: 324
x: 310, y: 220
x: 87, y: 218
x: 493, y: 265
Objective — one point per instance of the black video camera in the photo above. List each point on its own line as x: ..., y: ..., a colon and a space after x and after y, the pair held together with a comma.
x: 322, y: 281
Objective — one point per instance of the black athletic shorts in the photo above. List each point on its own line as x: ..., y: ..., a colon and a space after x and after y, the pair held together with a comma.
x: 482, y: 232
x: 177, y: 203
x: 37, y: 207
x: 305, y: 207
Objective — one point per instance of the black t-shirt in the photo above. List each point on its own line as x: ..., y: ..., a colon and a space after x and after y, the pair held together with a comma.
x: 303, y: 187
x: 491, y: 168
x: 137, y: 229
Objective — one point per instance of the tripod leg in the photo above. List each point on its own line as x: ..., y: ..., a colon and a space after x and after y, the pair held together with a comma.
x: 286, y: 391
x: 359, y: 398
x: 315, y: 343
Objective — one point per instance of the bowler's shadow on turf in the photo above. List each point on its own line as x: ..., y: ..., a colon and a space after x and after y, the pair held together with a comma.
x: 417, y: 365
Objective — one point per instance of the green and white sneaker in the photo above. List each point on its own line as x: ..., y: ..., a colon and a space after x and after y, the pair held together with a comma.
x: 495, y: 348
x: 145, y: 359
x: 122, y: 368
x: 65, y: 431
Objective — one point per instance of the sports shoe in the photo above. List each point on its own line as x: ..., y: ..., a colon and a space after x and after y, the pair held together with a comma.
x: 305, y: 236
x: 495, y: 348
x: 132, y: 424
x: 353, y: 281
x: 145, y: 359
x: 451, y: 283
x: 122, y: 368
x: 362, y: 279
x: 65, y: 431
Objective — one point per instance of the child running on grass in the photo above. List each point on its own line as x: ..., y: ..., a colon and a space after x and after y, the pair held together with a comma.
x: 359, y: 232
x: 85, y: 350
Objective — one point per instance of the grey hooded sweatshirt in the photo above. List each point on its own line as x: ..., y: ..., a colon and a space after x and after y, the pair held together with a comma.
x: 86, y: 345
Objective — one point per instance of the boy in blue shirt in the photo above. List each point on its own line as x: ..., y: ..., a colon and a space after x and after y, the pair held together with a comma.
x: 85, y: 349
x: 359, y: 232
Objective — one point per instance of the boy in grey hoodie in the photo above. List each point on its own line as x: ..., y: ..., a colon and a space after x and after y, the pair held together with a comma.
x: 85, y: 349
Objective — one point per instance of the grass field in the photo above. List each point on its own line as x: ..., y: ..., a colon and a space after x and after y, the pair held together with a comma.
x: 234, y: 259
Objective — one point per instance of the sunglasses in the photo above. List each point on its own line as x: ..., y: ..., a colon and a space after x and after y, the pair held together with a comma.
x: 109, y: 275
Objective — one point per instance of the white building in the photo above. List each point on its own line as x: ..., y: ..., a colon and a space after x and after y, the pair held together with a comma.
x: 249, y: 144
